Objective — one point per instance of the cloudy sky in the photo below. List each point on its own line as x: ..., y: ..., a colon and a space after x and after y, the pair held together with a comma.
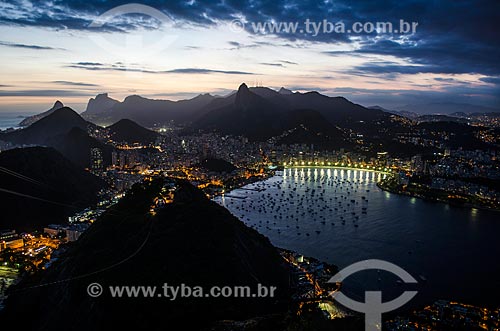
x: 72, y: 50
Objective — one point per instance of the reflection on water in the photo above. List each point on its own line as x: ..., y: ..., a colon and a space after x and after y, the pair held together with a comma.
x: 341, y: 216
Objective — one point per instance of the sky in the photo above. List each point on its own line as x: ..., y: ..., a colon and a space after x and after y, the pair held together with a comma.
x: 73, y: 50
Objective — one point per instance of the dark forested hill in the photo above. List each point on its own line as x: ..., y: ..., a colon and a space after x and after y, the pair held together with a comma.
x: 39, y: 186
x: 190, y: 241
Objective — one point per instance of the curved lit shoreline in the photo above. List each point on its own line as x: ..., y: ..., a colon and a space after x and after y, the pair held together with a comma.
x: 335, y: 167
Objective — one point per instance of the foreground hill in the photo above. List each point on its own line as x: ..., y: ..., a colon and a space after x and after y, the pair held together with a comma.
x: 216, y: 165
x: 76, y: 146
x: 39, y: 186
x: 190, y: 241
x: 128, y: 131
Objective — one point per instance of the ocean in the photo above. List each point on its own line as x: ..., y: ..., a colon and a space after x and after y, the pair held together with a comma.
x: 12, y: 120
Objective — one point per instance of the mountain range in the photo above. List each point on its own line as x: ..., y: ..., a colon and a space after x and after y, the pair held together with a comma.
x: 66, y: 131
x: 58, y: 122
x: 104, y: 110
x: 259, y: 113
x: 262, y: 113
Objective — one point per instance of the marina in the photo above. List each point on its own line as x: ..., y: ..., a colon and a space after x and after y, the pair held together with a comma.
x: 340, y: 216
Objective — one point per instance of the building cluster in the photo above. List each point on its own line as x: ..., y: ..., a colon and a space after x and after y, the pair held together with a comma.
x: 68, y: 233
x: 472, y: 176
x: 10, y: 239
x: 311, y: 286
x: 491, y: 120
x: 465, y: 188
x: 446, y: 315
x: 466, y: 164
x: 27, y: 252
x: 422, y: 141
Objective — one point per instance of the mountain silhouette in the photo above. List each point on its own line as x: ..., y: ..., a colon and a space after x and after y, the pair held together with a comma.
x: 102, y: 103
x: 32, y: 119
x: 257, y: 106
x: 60, y: 121
x: 216, y: 165
x: 146, y: 112
x: 310, y: 127
x: 128, y: 131
x: 53, y: 188
x: 250, y: 115
x: 64, y: 130
x: 261, y: 113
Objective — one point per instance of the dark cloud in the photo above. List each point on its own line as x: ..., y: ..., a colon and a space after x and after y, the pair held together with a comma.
x: 122, y: 68
x: 64, y: 82
x: 433, y: 55
x: 94, y: 64
x: 445, y: 80
x: 272, y: 64
x: 280, y: 63
x: 491, y: 80
x: 36, y: 47
x: 236, y: 45
x: 205, y: 71
x: 288, y: 62
x: 44, y: 93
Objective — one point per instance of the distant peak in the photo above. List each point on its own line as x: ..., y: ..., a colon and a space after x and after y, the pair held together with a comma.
x: 284, y: 91
x: 65, y: 110
x: 244, y: 96
x: 102, y: 95
x: 133, y: 97
x: 203, y: 95
x: 125, y: 123
x: 65, y: 113
x: 243, y: 88
x: 57, y: 105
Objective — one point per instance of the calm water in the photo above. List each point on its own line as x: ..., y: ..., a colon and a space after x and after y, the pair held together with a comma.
x: 453, y: 252
x: 12, y: 120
